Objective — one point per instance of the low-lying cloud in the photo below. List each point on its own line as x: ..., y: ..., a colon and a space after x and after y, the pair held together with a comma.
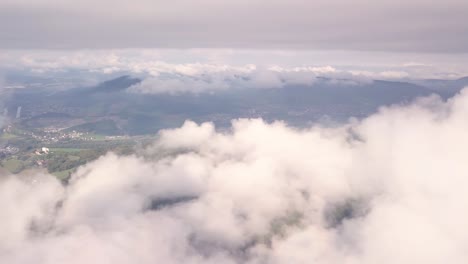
x: 250, y: 77
x: 387, y: 189
x: 209, y: 65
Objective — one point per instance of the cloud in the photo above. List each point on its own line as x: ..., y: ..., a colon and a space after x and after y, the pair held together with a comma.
x: 4, y: 95
x: 196, y: 62
x: 332, y: 24
x: 176, y: 85
x: 387, y: 189
x: 218, y: 78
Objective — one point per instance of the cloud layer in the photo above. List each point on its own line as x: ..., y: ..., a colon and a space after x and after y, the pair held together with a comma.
x: 418, y: 25
x: 211, y: 78
x: 387, y: 189
x: 205, y: 64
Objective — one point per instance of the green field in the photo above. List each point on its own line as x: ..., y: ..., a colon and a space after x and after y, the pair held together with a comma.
x: 63, y: 158
x: 97, y: 136
x: 68, y: 150
x: 13, y: 165
x: 8, y: 136
x: 62, y: 175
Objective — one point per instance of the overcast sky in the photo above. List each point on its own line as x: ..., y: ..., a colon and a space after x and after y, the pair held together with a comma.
x: 415, y: 39
x: 368, y: 25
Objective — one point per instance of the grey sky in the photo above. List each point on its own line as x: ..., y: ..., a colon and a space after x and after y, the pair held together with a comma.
x: 408, y: 26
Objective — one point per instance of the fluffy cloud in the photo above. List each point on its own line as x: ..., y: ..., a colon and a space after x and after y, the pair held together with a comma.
x: 387, y: 189
x: 296, y: 66
x: 249, y: 77
x: 216, y: 81
x: 190, y: 77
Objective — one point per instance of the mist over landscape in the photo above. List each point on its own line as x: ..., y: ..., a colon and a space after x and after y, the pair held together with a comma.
x: 233, y: 132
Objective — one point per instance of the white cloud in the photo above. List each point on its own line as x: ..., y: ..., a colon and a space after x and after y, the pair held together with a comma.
x: 176, y: 85
x: 387, y: 189
x: 209, y: 82
x: 386, y: 75
x: 212, y: 79
x: 295, y: 64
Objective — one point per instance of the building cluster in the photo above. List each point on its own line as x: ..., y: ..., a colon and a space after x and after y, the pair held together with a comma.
x: 54, y: 137
x: 42, y: 151
x: 9, y: 150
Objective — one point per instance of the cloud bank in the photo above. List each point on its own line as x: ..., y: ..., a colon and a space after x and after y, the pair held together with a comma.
x: 216, y: 78
x: 206, y: 69
x: 213, y: 78
x: 387, y: 189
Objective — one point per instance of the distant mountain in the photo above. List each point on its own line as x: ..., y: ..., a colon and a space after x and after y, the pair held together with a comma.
x: 445, y: 88
x: 111, y: 86
x: 116, y: 85
x: 108, y: 104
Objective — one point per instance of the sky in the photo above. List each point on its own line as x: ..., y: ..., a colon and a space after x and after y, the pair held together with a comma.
x: 364, y: 25
x: 415, y: 39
